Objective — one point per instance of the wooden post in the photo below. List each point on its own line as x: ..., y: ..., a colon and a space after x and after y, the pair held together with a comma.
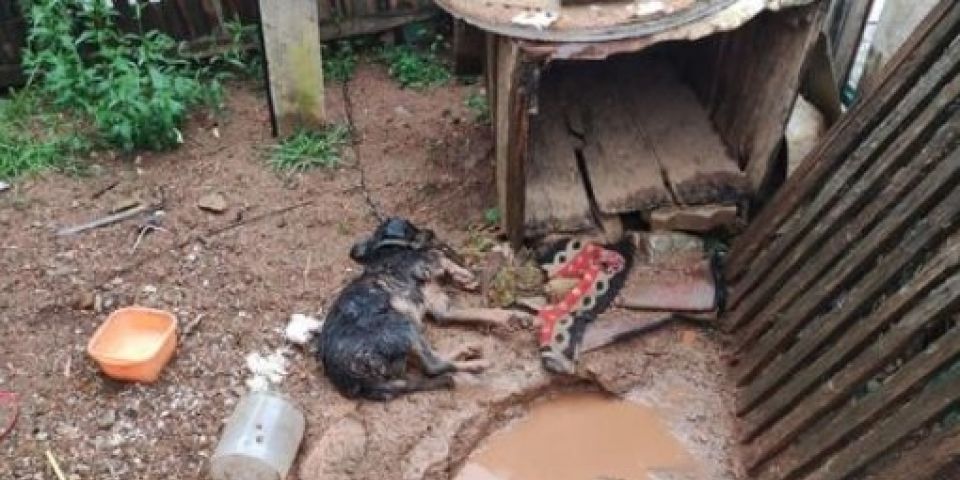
x: 292, y: 46
x: 511, y: 126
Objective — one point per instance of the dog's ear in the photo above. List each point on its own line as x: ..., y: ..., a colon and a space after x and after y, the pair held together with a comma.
x: 423, y: 239
x: 360, y: 251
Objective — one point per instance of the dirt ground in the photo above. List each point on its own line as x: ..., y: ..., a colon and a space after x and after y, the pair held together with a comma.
x: 423, y: 157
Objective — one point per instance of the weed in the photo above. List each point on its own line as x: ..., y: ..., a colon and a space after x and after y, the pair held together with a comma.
x: 133, y: 88
x: 241, y: 54
x: 477, y: 103
x: 306, y: 149
x: 339, y: 61
x: 492, y: 216
x: 415, y: 68
x: 31, y: 139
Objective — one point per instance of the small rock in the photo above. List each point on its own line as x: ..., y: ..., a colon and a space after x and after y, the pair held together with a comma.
x: 86, y: 300
x: 213, y: 202
x: 402, y: 111
x: 107, y: 420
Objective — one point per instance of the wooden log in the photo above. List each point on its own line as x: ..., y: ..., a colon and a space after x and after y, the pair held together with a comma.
x: 882, y: 152
x: 936, y: 32
x: 767, y: 407
x: 851, y: 421
x: 292, y: 47
x: 924, y: 231
x: 832, y: 392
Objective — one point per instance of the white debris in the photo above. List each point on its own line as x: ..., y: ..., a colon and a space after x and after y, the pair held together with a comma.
x: 4, y: 186
x: 540, y: 20
x: 643, y: 9
x: 301, y: 328
x: 267, y: 370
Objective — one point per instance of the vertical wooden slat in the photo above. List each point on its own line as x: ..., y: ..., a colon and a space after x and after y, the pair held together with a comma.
x: 292, y: 47
x: 846, y: 35
x: 512, y: 123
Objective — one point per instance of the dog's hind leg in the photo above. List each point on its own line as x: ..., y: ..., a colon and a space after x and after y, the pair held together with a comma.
x: 435, y: 366
x: 391, y: 389
x: 441, y: 308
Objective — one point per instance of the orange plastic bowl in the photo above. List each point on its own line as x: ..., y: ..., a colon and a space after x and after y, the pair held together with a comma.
x: 134, y: 343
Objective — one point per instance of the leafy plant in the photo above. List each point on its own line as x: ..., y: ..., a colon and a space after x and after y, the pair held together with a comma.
x: 308, y: 149
x: 477, y: 103
x: 241, y: 53
x: 339, y: 61
x: 134, y: 88
x: 492, y: 216
x: 415, y: 68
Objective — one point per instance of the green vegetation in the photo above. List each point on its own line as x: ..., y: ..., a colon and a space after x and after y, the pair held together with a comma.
x: 241, y: 54
x: 31, y: 141
x: 340, y: 61
x: 305, y: 150
x: 477, y: 103
x: 414, y: 67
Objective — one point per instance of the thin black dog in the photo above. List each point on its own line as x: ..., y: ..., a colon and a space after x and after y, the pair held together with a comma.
x: 373, y: 332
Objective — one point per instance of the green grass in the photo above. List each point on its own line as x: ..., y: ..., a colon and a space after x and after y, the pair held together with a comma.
x: 33, y: 140
x: 415, y: 68
x: 339, y: 61
x: 477, y: 103
x: 306, y: 150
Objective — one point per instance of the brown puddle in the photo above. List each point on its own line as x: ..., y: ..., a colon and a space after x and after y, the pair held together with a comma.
x: 583, y: 437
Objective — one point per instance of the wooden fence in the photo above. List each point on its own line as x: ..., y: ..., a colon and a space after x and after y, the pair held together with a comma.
x: 845, y: 289
x: 202, y: 20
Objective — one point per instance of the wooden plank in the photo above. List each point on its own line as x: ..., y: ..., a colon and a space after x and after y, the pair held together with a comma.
x: 937, y: 31
x: 556, y: 195
x: 694, y: 159
x: 863, y: 295
x: 926, y: 460
x: 512, y: 123
x: 761, y: 65
x: 933, y: 401
x: 802, y: 380
x: 809, y: 227
x: 846, y: 35
x: 861, y: 258
x: 834, y: 391
x: 620, y: 154
x: 292, y: 47
x: 364, y: 25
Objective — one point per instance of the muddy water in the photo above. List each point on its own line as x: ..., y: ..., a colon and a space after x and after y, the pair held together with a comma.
x: 583, y: 437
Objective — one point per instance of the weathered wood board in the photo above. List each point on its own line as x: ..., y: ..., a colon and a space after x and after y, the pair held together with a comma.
x: 556, y: 195
x: 292, y: 46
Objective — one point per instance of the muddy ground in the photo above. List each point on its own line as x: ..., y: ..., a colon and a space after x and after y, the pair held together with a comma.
x: 423, y: 157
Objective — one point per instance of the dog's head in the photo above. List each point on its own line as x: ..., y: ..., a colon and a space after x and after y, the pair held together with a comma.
x: 393, y: 233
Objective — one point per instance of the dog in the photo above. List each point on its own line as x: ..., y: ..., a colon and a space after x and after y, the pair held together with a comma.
x: 373, y: 333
